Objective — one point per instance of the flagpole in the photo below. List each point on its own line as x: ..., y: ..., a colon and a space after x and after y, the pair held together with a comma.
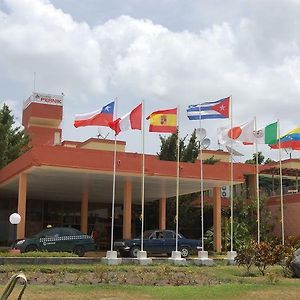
x: 114, y: 186
x: 257, y: 186
x: 281, y: 188
x: 231, y: 182
x: 177, y: 180
x: 201, y: 181
x: 143, y: 177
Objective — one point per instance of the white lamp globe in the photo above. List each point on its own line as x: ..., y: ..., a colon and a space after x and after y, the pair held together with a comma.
x: 14, y: 218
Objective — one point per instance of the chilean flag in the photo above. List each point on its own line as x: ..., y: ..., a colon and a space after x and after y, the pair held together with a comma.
x: 100, y: 117
x: 132, y: 120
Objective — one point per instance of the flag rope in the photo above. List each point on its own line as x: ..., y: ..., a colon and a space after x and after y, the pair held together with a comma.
x: 177, y: 181
x: 281, y: 188
x: 231, y: 182
x: 143, y: 178
x: 201, y: 181
x: 113, y: 188
x: 257, y: 186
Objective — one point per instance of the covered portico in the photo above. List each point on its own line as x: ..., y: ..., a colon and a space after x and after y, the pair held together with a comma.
x: 84, y: 176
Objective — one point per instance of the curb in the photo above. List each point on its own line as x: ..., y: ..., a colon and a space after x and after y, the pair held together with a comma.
x: 80, y: 260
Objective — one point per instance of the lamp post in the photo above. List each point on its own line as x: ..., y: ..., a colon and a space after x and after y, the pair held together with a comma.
x: 15, y: 219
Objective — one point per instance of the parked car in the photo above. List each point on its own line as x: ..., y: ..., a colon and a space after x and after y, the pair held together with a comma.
x: 158, y: 241
x: 58, y: 239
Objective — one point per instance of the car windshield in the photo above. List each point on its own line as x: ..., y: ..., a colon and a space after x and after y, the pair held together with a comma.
x: 168, y: 234
x: 71, y: 231
x: 50, y: 232
x: 147, y: 234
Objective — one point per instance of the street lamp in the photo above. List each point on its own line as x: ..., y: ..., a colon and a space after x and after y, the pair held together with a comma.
x: 15, y: 219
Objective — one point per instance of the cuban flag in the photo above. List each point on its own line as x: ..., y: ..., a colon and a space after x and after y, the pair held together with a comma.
x: 100, y: 117
x: 209, y: 110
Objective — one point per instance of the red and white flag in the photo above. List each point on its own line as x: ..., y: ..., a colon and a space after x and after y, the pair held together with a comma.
x: 243, y: 133
x: 132, y: 120
x: 99, y: 117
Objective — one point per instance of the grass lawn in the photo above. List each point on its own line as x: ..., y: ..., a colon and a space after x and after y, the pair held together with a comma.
x: 151, y: 282
x: 225, y: 291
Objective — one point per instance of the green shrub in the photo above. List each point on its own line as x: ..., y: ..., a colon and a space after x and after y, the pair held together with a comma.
x: 285, y: 254
x: 48, y: 254
x: 264, y: 256
x: 267, y: 254
x: 245, y: 256
x: 38, y: 254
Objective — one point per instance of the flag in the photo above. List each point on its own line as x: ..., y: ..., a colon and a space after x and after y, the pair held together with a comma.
x: 242, y: 133
x: 99, y: 117
x: 132, y: 120
x: 209, y: 110
x: 267, y: 135
x: 289, y: 140
x: 163, y: 121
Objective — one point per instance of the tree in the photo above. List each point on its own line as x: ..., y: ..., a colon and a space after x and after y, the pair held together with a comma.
x: 13, y: 140
x: 211, y: 161
x: 269, y: 161
x: 191, y: 151
x: 168, y: 147
x: 253, y: 160
x: 187, y: 153
x: 189, y: 216
x: 245, y: 221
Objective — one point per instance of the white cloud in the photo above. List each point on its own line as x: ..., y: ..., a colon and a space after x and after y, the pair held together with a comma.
x: 37, y: 37
x: 256, y: 61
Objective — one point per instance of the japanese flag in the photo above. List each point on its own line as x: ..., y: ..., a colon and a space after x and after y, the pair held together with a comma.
x: 243, y: 133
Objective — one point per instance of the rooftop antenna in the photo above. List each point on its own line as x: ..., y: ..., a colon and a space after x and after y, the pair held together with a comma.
x: 289, y: 151
x: 104, y: 137
x: 233, y: 151
x: 204, y: 142
x: 200, y: 133
x: 233, y: 159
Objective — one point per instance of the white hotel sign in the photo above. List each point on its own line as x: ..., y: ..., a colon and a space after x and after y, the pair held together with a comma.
x: 44, y: 99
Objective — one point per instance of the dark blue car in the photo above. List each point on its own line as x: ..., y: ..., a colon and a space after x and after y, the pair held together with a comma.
x: 58, y: 239
x: 158, y: 242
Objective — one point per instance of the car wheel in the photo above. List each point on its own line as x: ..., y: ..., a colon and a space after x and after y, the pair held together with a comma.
x: 134, y: 251
x: 79, y: 250
x: 185, y: 251
x: 31, y: 248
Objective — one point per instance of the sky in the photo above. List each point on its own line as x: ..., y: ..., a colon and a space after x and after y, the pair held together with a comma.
x: 166, y: 52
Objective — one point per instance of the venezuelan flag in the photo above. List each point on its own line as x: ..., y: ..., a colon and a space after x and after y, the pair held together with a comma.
x: 163, y: 121
x: 289, y: 140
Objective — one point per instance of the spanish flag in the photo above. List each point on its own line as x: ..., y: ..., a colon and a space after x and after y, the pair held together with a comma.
x: 163, y: 121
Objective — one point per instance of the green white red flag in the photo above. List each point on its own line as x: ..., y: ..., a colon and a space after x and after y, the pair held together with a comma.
x: 267, y: 135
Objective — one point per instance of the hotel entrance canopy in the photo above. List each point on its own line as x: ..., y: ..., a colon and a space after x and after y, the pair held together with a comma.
x: 61, y: 173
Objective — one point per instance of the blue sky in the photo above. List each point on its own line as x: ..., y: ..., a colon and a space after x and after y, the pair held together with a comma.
x: 166, y: 52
